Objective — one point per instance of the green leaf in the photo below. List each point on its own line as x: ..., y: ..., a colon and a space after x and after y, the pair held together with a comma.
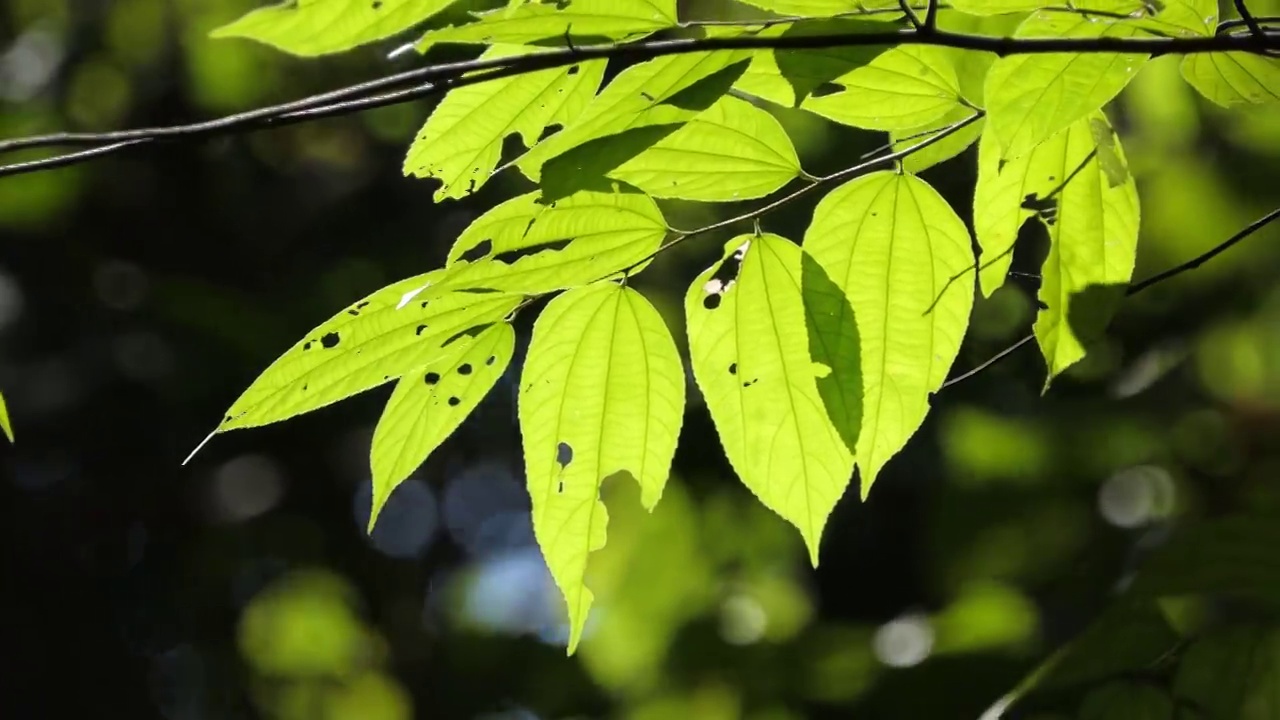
x: 5, y: 425
x: 1232, y: 673
x: 942, y: 150
x: 1186, y: 18
x: 1233, y: 78
x: 430, y: 402
x: 751, y: 359
x: 378, y: 339
x: 1002, y: 7
x: 317, y: 27
x: 1126, y: 701
x: 539, y: 20
x: 1031, y: 97
x: 820, y: 8
x: 892, y: 244
x: 651, y: 100
x: 602, y: 392
x: 1231, y: 556
x: 1093, y: 240
x: 732, y: 151
x: 527, y: 246
x: 905, y: 87
x: 461, y: 143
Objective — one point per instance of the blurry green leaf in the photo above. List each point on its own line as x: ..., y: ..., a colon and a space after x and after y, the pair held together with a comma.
x: 430, y: 402
x: 732, y: 151
x: 1233, y: 556
x: 385, y: 335
x: 1093, y: 240
x: 942, y: 150
x: 541, y: 19
x: 318, y: 27
x: 461, y: 143
x: 369, y: 696
x: 602, y: 392
x: 904, y: 87
x: 303, y: 626
x: 893, y: 245
x: 1232, y: 673
x: 751, y: 359
x: 1233, y: 78
x: 986, y: 615
x: 650, y: 100
x: 4, y: 420
x: 1126, y: 701
x: 1031, y: 97
x: 525, y: 245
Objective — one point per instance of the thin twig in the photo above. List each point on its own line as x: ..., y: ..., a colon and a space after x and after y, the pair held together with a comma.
x: 1249, y: 20
x: 1138, y: 287
x: 931, y: 16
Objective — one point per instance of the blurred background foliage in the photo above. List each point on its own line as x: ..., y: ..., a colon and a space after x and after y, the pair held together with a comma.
x: 140, y: 293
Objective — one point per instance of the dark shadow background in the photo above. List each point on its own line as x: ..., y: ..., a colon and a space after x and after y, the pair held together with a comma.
x: 139, y: 294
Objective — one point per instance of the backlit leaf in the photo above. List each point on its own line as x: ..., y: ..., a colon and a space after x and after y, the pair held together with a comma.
x: 461, y: 143
x: 430, y: 402
x: 1093, y: 239
x: 905, y: 87
x: 542, y: 19
x: 1186, y: 18
x: 732, y: 151
x: 602, y: 392
x: 751, y: 358
x: 525, y: 245
x: 1001, y: 7
x: 892, y: 244
x: 1031, y: 97
x: 942, y: 150
x: 5, y: 425
x: 318, y: 27
x: 820, y: 8
x: 378, y: 339
x: 1233, y: 78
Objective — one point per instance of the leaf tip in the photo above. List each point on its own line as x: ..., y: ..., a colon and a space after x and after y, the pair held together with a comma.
x: 375, y: 509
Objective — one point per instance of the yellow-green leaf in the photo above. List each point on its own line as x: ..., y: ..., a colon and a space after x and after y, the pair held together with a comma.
x: 751, y: 358
x: 528, y: 246
x: 317, y: 27
x: 378, y: 339
x: 1031, y: 97
x: 461, y: 143
x: 942, y: 150
x: 820, y: 8
x: 905, y: 87
x: 602, y: 392
x: 786, y: 76
x: 5, y: 425
x: 430, y: 402
x: 1093, y: 239
x: 892, y: 244
x: 538, y: 20
x: 732, y: 151
x: 1233, y: 78
x: 1002, y: 7
x: 1187, y: 18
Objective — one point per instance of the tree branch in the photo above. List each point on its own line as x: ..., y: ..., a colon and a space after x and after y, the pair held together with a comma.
x: 436, y: 79
x: 1136, y: 288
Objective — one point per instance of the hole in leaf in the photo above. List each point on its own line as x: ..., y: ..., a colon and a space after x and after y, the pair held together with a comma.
x: 478, y: 251
x: 574, y: 70
x: 711, y: 302
x: 453, y: 402
x: 431, y: 378
x: 511, y: 256
x: 490, y: 361
x: 733, y: 369
x: 331, y: 340
x: 464, y: 369
x: 376, y: 4
x: 469, y: 332
x: 307, y: 346
x: 564, y: 455
x: 420, y: 329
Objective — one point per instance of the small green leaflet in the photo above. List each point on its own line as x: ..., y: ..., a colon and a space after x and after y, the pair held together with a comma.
x: 905, y: 87
x: 893, y: 245
x: 942, y: 150
x: 317, y: 27
x: 750, y: 350
x: 1232, y: 673
x: 732, y: 151
x: 1031, y: 97
x: 461, y: 143
x: 642, y: 105
x: 527, y: 246
x: 5, y: 425
x: 1093, y: 240
x: 429, y: 403
x: 1233, y: 78
x: 602, y: 392
x: 378, y: 339
x: 539, y: 20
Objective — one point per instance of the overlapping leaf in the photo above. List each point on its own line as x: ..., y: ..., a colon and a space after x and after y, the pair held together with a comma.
x: 1031, y: 97
x: 541, y: 19
x: 430, y: 402
x: 750, y: 349
x: 904, y: 87
x: 602, y: 392
x: 1002, y: 7
x: 893, y: 245
x: 731, y: 151
x: 1234, y: 78
x: 378, y: 339
x: 317, y: 27
x: 527, y: 246
x: 1186, y: 18
x: 820, y: 8
x: 941, y: 150
x: 461, y: 143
